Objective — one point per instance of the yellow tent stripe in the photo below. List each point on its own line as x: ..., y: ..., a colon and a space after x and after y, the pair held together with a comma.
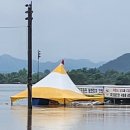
x: 55, y: 94
x: 60, y: 69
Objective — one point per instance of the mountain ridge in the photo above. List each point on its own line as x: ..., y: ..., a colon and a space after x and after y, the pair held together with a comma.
x: 11, y: 64
x: 120, y: 64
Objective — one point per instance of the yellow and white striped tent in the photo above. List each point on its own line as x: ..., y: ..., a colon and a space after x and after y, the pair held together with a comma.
x: 56, y: 86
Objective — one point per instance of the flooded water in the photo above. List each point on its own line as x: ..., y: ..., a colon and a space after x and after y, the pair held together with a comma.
x: 60, y: 118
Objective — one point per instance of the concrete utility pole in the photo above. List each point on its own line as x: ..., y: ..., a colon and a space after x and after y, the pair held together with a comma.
x: 39, y: 55
x: 29, y: 18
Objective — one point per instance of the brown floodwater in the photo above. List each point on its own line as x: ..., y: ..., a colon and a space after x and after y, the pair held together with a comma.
x: 17, y: 117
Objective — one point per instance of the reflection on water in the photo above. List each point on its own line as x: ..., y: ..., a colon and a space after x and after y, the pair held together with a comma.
x: 61, y: 118
x: 29, y: 120
x: 18, y: 117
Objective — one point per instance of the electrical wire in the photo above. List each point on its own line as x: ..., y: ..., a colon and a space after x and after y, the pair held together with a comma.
x: 8, y: 27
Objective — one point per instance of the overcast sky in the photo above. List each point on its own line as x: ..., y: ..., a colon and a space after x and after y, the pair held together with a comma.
x: 98, y: 30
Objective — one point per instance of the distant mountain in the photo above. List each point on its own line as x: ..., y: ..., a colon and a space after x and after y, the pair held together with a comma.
x: 11, y: 64
x: 69, y: 64
x: 121, y: 64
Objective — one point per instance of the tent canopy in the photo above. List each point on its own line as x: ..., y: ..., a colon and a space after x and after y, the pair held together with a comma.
x: 56, y: 86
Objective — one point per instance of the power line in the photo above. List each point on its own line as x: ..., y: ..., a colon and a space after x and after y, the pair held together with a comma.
x: 8, y: 27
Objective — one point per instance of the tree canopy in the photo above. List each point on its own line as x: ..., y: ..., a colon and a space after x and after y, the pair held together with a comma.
x: 79, y: 77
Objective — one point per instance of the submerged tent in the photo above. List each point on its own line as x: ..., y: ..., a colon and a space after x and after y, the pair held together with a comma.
x: 57, y: 86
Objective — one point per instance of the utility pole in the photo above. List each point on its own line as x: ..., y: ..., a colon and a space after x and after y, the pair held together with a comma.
x: 29, y: 18
x: 39, y: 55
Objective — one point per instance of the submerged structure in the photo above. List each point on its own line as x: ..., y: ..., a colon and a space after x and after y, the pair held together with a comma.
x: 55, y: 88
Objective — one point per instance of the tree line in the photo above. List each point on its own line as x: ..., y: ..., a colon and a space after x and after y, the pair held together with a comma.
x: 82, y: 76
x: 21, y: 77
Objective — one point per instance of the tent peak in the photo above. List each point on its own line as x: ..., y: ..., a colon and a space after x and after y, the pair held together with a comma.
x: 60, y: 69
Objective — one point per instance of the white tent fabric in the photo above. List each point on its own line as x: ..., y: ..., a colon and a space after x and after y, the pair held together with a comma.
x: 59, y: 81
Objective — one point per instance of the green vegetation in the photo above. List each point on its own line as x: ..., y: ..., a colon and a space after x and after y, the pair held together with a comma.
x: 20, y: 77
x: 94, y: 76
x: 79, y: 76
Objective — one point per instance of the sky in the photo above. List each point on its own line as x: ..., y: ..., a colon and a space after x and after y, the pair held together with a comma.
x: 98, y: 30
